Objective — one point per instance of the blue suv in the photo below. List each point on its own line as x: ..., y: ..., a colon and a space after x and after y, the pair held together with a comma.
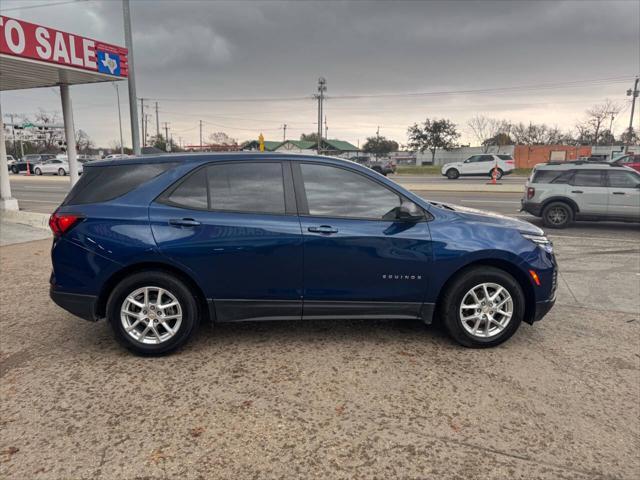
x: 157, y: 245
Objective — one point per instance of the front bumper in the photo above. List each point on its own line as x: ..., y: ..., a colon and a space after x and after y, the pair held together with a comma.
x: 83, y: 306
x: 533, y: 208
x: 542, y: 308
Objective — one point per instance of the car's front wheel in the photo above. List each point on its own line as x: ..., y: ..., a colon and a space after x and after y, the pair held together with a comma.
x: 452, y: 174
x: 152, y: 312
x: 557, y: 215
x: 483, y: 307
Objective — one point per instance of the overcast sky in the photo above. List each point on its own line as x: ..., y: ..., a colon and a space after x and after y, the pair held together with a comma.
x: 190, y: 51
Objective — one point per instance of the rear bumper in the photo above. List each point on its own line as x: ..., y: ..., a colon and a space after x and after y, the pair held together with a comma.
x: 83, y: 306
x: 531, y: 207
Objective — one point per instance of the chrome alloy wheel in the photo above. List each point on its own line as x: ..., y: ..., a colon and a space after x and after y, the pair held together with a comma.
x: 486, y: 310
x: 151, y: 315
x: 557, y: 216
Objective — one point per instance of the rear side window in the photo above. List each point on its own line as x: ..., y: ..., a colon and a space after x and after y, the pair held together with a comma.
x: 192, y: 193
x: 246, y: 187
x: 587, y: 178
x: 551, y: 176
x: 233, y: 187
x: 100, y: 184
x: 505, y: 157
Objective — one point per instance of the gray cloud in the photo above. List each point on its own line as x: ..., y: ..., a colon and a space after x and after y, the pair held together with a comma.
x: 197, y: 49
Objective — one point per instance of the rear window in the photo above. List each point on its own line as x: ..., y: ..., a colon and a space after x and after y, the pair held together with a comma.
x: 100, y: 184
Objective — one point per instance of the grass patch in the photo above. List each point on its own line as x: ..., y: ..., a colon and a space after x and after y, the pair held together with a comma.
x: 522, y: 171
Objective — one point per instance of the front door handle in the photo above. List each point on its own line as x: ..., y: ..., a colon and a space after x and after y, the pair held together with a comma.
x: 577, y: 191
x: 618, y: 193
x: 184, y: 222
x: 327, y: 229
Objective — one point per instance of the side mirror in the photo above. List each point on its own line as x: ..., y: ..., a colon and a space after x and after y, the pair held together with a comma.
x: 409, y: 211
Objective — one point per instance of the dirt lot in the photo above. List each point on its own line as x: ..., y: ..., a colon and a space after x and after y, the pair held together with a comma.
x: 329, y: 399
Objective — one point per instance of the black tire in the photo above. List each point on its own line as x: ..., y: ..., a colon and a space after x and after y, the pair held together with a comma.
x: 499, y: 174
x: 61, y: 172
x: 452, y: 174
x: 153, y: 278
x: 557, y: 215
x: 37, y: 171
x: 14, y: 170
x: 463, y: 283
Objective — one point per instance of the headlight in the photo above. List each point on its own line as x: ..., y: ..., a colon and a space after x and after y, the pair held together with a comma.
x: 541, y: 240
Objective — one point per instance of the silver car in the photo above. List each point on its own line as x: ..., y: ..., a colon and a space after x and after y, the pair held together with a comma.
x: 563, y: 192
x: 55, y: 166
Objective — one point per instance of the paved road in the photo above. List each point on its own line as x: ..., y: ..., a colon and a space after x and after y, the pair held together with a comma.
x: 431, y: 179
x: 333, y: 399
x: 44, y: 194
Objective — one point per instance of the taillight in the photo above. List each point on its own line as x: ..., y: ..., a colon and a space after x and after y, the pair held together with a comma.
x: 530, y: 193
x: 60, y: 223
x: 510, y: 162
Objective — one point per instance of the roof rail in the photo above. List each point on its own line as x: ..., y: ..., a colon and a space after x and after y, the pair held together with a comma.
x: 580, y: 162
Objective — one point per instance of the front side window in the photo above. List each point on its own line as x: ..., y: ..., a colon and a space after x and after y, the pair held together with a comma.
x: 620, y: 179
x: 587, y: 178
x: 246, y: 187
x: 336, y: 192
x: 474, y: 158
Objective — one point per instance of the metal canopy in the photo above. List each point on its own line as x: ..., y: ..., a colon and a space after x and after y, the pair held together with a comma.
x: 22, y: 73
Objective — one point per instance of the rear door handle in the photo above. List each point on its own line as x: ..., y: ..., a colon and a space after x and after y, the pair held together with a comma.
x: 577, y: 191
x: 327, y: 229
x: 184, y: 222
x: 618, y: 193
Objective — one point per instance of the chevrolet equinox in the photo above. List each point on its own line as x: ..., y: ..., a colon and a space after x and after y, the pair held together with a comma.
x: 157, y: 245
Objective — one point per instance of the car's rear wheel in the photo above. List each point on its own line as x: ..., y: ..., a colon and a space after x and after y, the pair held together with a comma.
x: 499, y: 174
x: 61, y: 172
x: 37, y: 171
x: 557, y: 215
x: 483, y: 307
x: 452, y: 174
x: 152, y: 312
x: 15, y: 170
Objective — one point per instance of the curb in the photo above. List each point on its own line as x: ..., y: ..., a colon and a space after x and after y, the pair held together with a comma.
x: 422, y: 187
x: 32, y: 219
x: 43, y: 177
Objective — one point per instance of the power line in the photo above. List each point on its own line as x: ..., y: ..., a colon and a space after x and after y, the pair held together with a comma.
x: 480, y: 91
x: 29, y: 7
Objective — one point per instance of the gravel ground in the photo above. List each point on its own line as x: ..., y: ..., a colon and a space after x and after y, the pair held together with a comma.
x: 328, y: 399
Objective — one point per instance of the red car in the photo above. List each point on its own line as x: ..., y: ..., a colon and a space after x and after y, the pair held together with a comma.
x: 631, y: 160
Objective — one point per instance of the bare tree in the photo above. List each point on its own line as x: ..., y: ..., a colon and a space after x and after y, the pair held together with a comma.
x: 49, y: 135
x: 597, y: 117
x: 487, y: 131
x: 221, y: 138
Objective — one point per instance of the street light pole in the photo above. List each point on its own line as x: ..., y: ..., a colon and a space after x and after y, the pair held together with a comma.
x: 133, y: 98
x: 119, y: 118
x: 634, y: 94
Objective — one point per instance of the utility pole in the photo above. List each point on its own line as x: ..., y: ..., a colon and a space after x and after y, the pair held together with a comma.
x: 326, y: 128
x: 633, y: 94
x: 142, y: 122
x: 284, y: 132
x: 166, y: 137
x: 131, y: 79
x: 200, y: 135
x: 157, y: 122
x: 322, y: 87
x: 377, y: 141
x: 13, y: 136
x: 119, y: 118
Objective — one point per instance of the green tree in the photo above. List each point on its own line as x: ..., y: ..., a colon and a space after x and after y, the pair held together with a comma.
x: 309, y: 137
x: 380, y: 146
x: 433, y: 134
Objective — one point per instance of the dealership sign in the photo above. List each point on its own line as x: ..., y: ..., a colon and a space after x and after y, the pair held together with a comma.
x: 35, y: 42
